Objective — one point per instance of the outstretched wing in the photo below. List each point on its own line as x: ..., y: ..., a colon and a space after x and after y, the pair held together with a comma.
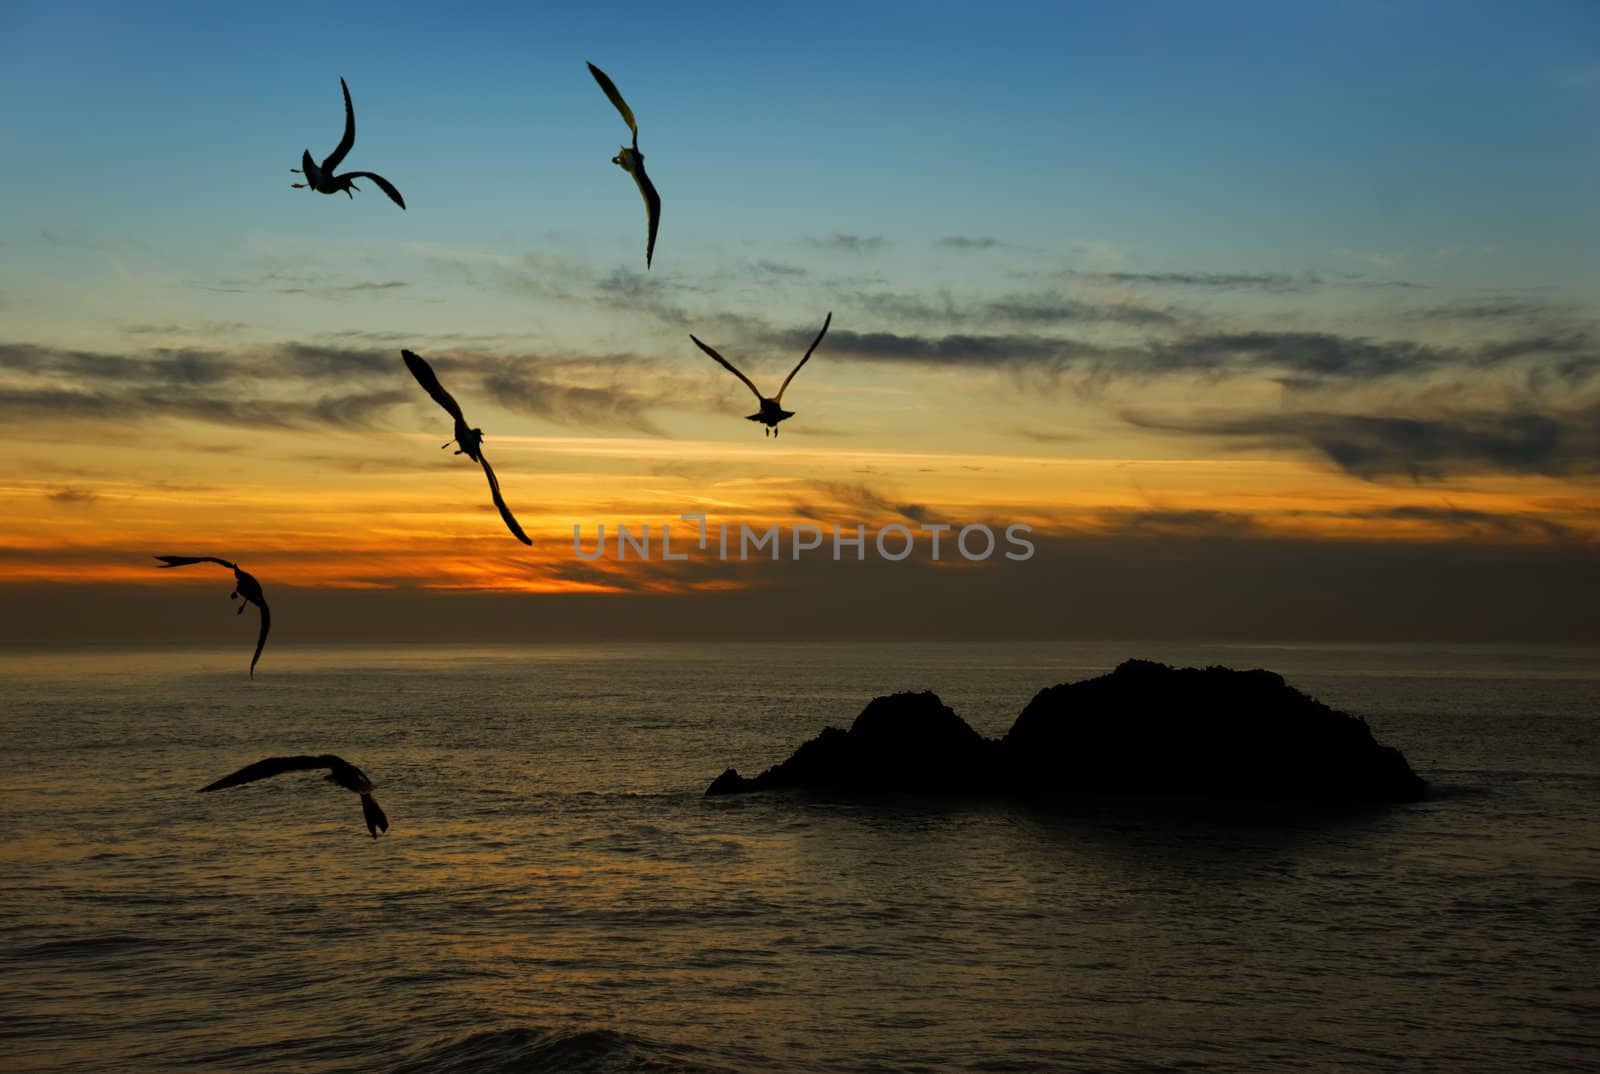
x: 616, y: 98
x: 728, y: 366
x: 383, y: 184
x: 272, y: 766
x: 261, y: 640
x: 505, y: 512
x: 652, y: 205
x: 184, y: 561
x: 349, y: 138
x: 829, y: 320
x: 430, y: 383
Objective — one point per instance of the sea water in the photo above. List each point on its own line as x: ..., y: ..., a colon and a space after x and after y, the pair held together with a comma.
x: 555, y: 892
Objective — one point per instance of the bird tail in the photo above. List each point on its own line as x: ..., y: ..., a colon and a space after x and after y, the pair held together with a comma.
x: 373, y: 812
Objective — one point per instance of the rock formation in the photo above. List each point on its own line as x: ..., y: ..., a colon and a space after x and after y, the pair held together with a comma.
x: 1144, y: 729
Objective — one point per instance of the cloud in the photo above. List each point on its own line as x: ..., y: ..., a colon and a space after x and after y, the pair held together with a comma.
x: 961, y: 349
x: 1317, y: 355
x: 356, y: 410
x: 965, y: 242
x: 1035, y: 309
x: 772, y: 270
x: 158, y: 366
x: 1481, y: 525
x: 301, y: 360
x: 1277, y: 282
x: 252, y: 387
x: 298, y: 283
x: 1303, y: 360
x: 1173, y: 522
x: 1430, y: 448
x: 529, y: 392
x: 1055, y: 309
x: 1491, y: 309
x: 851, y: 504
x: 296, y: 384
x: 70, y: 496
x: 1050, y: 436
x: 196, y: 328
x: 850, y: 244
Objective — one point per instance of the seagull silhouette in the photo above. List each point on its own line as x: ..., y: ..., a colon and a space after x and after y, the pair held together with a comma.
x: 632, y: 161
x: 771, y: 411
x: 344, y: 774
x: 321, y: 178
x: 244, y: 585
x: 469, y: 441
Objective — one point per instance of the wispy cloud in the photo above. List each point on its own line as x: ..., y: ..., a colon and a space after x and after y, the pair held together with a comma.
x: 209, y: 329
x: 1433, y: 447
x: 1050, y: 436
x: 1217, y: 281
x: 968, y: 242
x: 857, y: 503
x: 298, y: 283
x: 1481, y: 524
x: 1179, y: 522
x: 1057, y: 309
x: 272, y: 386
x: 73, y: 497
x: 529, y: 392
x: 1032, y: 308
x: 850, y: 244
x: 958, y: 349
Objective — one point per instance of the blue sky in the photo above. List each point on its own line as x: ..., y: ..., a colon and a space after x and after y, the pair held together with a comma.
x: 1197, y: 136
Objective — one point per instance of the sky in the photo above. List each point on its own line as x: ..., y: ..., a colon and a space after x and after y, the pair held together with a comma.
x: 1262, y: 321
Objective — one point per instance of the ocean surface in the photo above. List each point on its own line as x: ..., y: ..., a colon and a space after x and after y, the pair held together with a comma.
x: 556, y: 894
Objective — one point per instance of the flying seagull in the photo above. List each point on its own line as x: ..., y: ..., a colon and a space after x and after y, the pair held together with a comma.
x: 771, y: 412
x: 323, y: 181
x: 344, y: 774
x: 632, y: 161
x: 244, y: 585
x: 469, y: 442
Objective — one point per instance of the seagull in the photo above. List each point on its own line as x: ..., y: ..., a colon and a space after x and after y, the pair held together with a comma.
x: 323, y: 181
x: 469, y: 441
x: 632, y: 161
x: 244, y: 585
x: 344, y: 774
x: 771, y: 412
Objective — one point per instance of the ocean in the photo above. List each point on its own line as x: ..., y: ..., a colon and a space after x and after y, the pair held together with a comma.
x: 555, y: 893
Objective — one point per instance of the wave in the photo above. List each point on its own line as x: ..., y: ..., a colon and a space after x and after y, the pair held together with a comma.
x: 522, y: 1050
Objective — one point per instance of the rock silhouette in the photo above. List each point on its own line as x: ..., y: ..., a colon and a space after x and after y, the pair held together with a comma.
x: 1145, y: 729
